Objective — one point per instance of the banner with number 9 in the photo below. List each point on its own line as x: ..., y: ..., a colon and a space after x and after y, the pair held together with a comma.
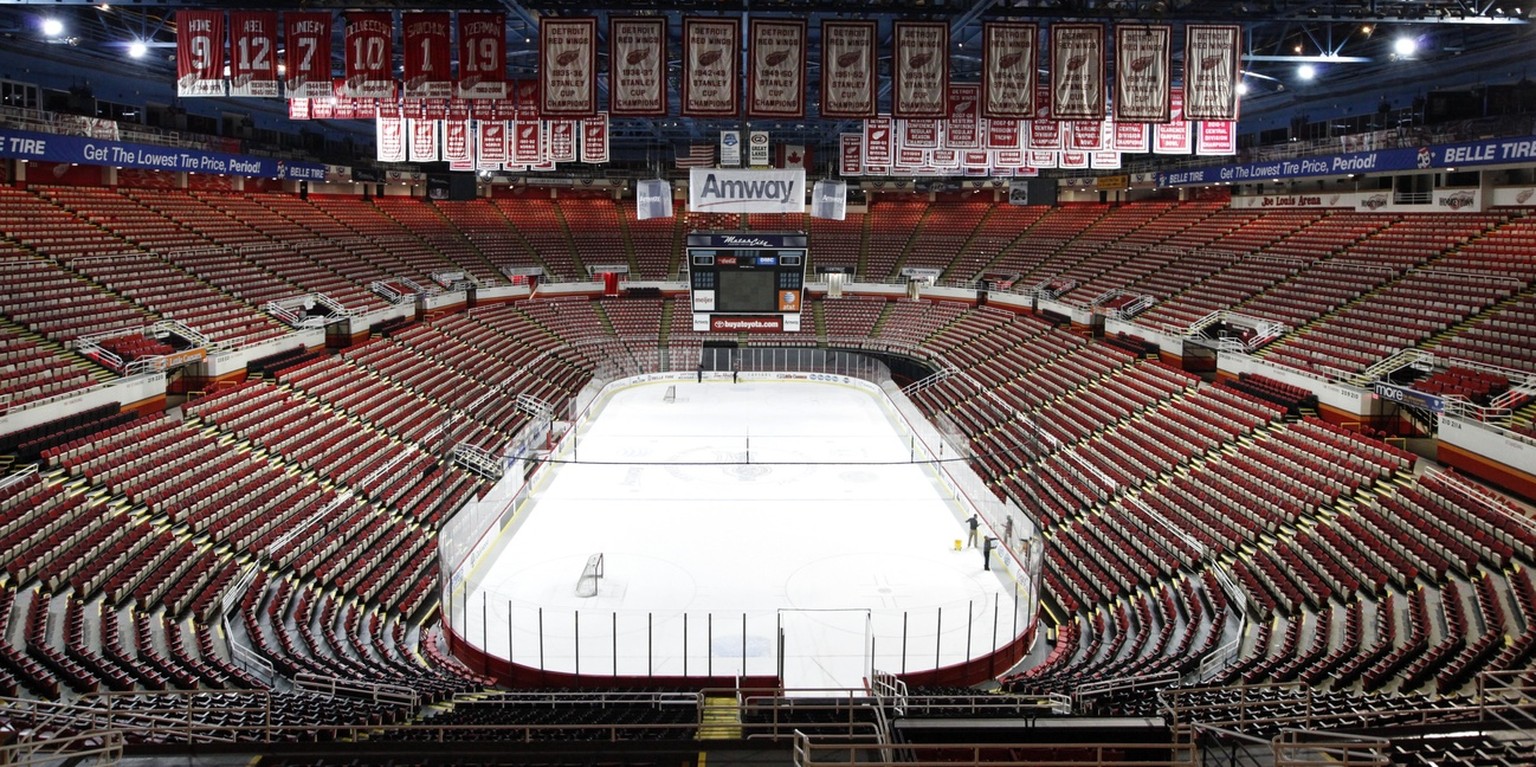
x: 199, y: 53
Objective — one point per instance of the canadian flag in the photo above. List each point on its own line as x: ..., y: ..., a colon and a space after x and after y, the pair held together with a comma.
x: 793, y: 156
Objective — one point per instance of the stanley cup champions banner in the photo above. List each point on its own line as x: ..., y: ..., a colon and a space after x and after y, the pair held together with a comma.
x: 1142, y: 72
x: 848, y: 69
x: 1077, y: 71
x: 307, y: 55
x: 199, y: 53
x: 253, y: 49
x: 919, y: 68
x: 1009, y: 66
x: 711, y: 67
x: 568, y: 67
x: 776, y: 68
x: 637, y: 67
x: 1211, y: 61
x: 426, y: 55
x: 369, y: 50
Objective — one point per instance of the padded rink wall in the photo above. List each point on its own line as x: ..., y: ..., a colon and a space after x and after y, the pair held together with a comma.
x: 723, y: 649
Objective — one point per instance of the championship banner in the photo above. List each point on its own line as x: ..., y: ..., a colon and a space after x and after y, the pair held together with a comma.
x: 594, y: 139
x: 199, y: 53
x: 910, y: 158
x: 920, y: 69
x: 427, y: 53
x: 1009, y: 63
x: 1004, y: 133
x: 1072, y: 160
x: 1172, y: 137
x: 730, y: 148
x: 1143, y: 72
x: 1084, y: 135
x: 1037, y: 158
x: 389, y: 135
x: 568, y: 67
x: 918, y: 134
x: 948, y: 159
x: 1216, y: 137
x: 298, y: 109
x: 423, y: 143
x: 746, y: 191
x: 1008, y: 158
x: 976, y: 159
x: 368, y: 45
x: 322, y: 108
x: 711, y: 65
x: 776, y: 68
x: 253, y: 63
x: 878, y: 146
x: 1077, y: 71
x: 491, y: 137
x: 525, y: 97
x: 850, y: 154
x: 1211, y: 76
x: 456, y: 147
x: 1130, y: 137
x: 637, y: 67
x: 307, y: 54
x: 527, y: 142
x: 482, y: 55
x: 848, y: 69
x: 1104, y: 160
x: 1044, y: 133
x: 562, y: 140
x: 963, y: 129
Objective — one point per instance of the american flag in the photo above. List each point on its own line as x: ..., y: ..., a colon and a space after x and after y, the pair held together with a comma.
x: 695, y: 156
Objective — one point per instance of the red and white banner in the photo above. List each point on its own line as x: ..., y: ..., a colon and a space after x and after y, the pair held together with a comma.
x: 568, y: 67
x: 1104, y: 160
x: 1077, y: 71
x: 1143, y: 72
x: 253, y: 59
x: 482, y: 55
x: 946, y: 159
x: 1072, y: 160
x: 491, y: 137
x: 456, y: 141
x: 423, y: 146
x: 850, y: 154
x: 878, y: 146
x: 298, y: 109
x: 1216, y: 137
x: 963, y: 130
x: 776, y: 68
x: 307, y: 54
x: 199, y: 53
x: 562, y: 140
x: 711, y: 67
x: 1003, y: 133
x: 1130, y: 137
x: 637, y: 66
x: 368, y: 47
x: 322, y: 108
x: 427, y: 54
x: 1009, y: 67
x: 1172, y: 137
x: 1044, y: 133
x: 525, y: 97
x: 920, y: 69
x: 1084, y: 135
x: 389, y: 139
x: 527, y: 142
x: 918, y: 134
x: 1040, y: 158
x: 848, y: 69
x: 594, y: 139
x: 910, y: 158
x: 1008, y: 158
x: 981, y: 159
x: 1212, y: 55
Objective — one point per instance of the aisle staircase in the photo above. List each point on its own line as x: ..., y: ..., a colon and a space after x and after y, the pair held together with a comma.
x: 720, y: 719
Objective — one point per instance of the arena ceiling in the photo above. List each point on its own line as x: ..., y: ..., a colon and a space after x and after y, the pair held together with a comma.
x: 1357, y: 50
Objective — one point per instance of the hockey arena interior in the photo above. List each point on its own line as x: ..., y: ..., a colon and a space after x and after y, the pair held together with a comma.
x: 958, y: 382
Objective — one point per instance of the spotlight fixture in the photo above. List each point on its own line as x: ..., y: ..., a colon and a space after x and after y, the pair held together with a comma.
x: 1405, y: 46
x: 1306, y: 71
x: 53, y: 27
x: 137, y: 49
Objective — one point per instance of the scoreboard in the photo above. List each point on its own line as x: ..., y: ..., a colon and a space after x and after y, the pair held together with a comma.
x: 746, y: 281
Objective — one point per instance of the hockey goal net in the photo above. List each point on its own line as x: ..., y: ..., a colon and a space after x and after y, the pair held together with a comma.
x: 586, y: 586
x: 671, y: 395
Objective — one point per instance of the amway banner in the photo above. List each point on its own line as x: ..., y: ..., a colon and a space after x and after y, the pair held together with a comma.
x: 746, y: 191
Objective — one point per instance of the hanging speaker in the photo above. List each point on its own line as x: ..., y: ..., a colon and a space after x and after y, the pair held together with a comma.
x: 829, y: 199
x: 653, y: 199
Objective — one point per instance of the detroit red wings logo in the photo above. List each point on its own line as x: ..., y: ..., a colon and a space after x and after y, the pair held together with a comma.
x: 776, y: 58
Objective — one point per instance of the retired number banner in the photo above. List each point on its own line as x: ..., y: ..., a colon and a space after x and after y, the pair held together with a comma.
x: 253, y: 48
x: 920, y: 69
x: 637, y: 67
x: 199, y: 53
x: 482, y: 55
x: 1143, y: 56
x: 307, y: 55
x: 1211, y: 60
x: 776, y: 68
x: 427, y: 55
x: 711, y: 64
x: 1077, y: 71
x: 1009, y: 63
x: 369, y: 50
x: 848, y: 69
x: 568, y: 67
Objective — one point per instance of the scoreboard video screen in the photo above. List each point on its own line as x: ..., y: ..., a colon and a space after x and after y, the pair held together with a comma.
x: 746, y: 275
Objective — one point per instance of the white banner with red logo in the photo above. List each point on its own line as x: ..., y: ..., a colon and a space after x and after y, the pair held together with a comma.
x: 1129, y: 137
x: 1143, y: 72
x: 428, y: 51
x: 711, y: 67
x: 1216, y: 137
x: 423, y: 140
x: 482, y: 55
x: 879, y: 149
x: 368, y: 47
x: 850, y: 154
x: 963, y: 130
x: 1044, y: 133
x: 920, y: 69
x: 568, y: 67
x: 199, y: 53
x: 1004, y: 134
x: 562, y: 140
x: 918, y: 134
x: 776, y: 68
x: 528, y: 141
x: 1077, y: 71
x: 307, y: 54
x: 594, y: 139
x: 1172, y: 137
x: 298, y: 109
x: 253, y: 54
x: 456, y: 141
x: 1212, y: 56
x: 1072, y: 159
x: 389, y: 139
x: 1009, y: 69
x: 491, y: 137
x: 1038, y: 158
x: 637, y: 66
x: 848, y: 69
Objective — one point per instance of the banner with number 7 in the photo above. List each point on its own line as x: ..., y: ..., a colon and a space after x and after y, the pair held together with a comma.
x: 307, y: 56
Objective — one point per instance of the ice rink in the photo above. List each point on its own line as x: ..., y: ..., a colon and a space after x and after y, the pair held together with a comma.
x: 737, y: 513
